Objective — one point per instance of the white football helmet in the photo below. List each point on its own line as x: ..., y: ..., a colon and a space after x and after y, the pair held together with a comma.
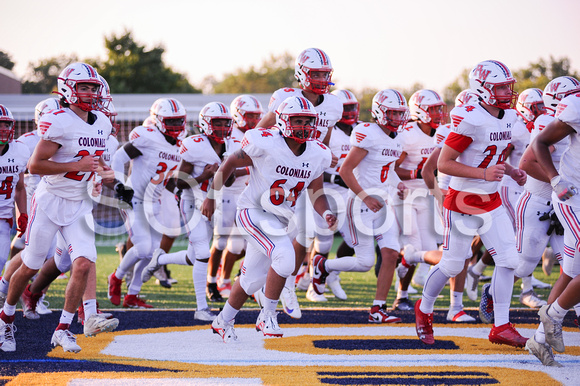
x: 350, y: 106
x: 112, y: 114
x: 486, y: 77
x: 557, y: 89
x: 389, y: 108
x: 169, y: 116
x: 67, y: 82
x: 466, y: 97
x: 427, y: 106
x: 530, y: 104
x: 7, y: 128
x: 314, y: 60
x: 105, y: 97
x: 44, y: 107
x: 215, y: 111
x: 296, y: 106
x: 246, y: 112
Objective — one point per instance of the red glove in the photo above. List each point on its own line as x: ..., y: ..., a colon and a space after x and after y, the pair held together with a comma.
x: 22, y: 224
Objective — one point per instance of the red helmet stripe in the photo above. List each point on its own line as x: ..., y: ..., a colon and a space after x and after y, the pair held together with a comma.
x: 4, y: 112
x: 573, y: 80
x: 173, y: 105
x: 503, y: 67
x: 323, y: 57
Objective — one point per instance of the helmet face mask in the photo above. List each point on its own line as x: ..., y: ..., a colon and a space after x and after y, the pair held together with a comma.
x: 426, y: 106
x: 6, y: 126
x: 493, y: 82
x: 169, y: 116
x: 314, y: 71
x: 215, y: 121
x: 246, y: 112
x: 530, y: 105
x: 557, y: 89
x: 389, y: 108
x: 296, y: 119
x: 350, y: 107
x: 75, y: 85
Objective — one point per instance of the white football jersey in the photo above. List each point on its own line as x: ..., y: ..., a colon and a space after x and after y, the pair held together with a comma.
x: 12, y: 163
x: 151, y: 171
x: 440, y: 137
x: 198, y: 151
x: 339, y: 145
x: 278, y: 176
x: 520, y: 141
x: 568, y: 111
x: 77, y: 139
x: 379, y: 164
x: 483, y: 140
x: 537, y: 187
x: 418, y: 147
x: 31, y: 181
x: 112, y: 146
x: 329, y: 111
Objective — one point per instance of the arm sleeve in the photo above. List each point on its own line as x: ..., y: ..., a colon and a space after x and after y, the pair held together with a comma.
x: 120, y: 158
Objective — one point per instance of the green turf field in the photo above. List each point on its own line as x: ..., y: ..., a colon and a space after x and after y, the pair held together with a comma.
x: 360, y: 288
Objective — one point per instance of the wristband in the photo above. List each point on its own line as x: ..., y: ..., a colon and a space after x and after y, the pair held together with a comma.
x: 555, y: 181
x: 326, y: 213
x: 413, y: 174
x: 332, y: 178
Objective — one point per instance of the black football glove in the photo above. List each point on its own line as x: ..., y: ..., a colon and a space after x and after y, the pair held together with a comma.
x: 555, y: 225
x: 124, y: 193
x: 178, y: 197
x: 339, y: 181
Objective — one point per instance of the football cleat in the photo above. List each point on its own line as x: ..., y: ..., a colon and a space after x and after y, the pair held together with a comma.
x: 7, y: 341
x: 303, y: 278
x: 378, y: 314
x: 290, y: 303
x: 267, y: 323
x: 134, y: 301
x: 313, y: 296
x: 508, y: 335
x: 471, y: 283
x: 66, y: 339
x: 98, y: 323
x: 424, y: 324
x: 531, y: 299
x: 459, y: 317
x: 540, y: 284
x: 81, y: 314
x: 409, y: 259
x: 542, y: 351
x: 225, y: 330
x: 152, y: 266
x: 212, y: 293
x: 29, y: 302
x: 114, y: 292
x: 204, y: 315
x: 552, y: 329
x: 42, y: 306
x: 333, y: 282
x: 402, y: 304
x: 318, y: 274
x: 2, y: 299
x: 225, y: 288
x: 486, y: 305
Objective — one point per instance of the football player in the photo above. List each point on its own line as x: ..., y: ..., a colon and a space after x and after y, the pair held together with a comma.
x: 313, y: 70
x: 565, y: 182
x: 473, y: 155
x: 285, y: 162
x: 369, y: 172
x: 68, y: 155
x: 154, y: 152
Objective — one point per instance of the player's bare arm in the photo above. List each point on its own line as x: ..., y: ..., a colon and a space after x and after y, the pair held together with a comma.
x: 553, y: 133
x: 352, y: 160
x: 530, y: 165
x: 448, y: 164
x: 40, y: 162
x: 320, y: 203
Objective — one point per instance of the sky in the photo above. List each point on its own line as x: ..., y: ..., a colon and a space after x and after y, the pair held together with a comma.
x: 371, y: 43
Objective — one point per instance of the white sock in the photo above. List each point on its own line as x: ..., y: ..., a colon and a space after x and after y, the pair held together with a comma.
x: 434, y: 284
x: 479, y: 267
x: 66, y: 317
x: 179, y: 258
x: 456, y: 301
x: 540, y: 335
x: 527, y: 284
x: 90, y: 308
x: 291, y: 282
x: 502, y: 284
x: 229, y: 312
x: 402, y: 294
x: 379, y: 303
x: 8, y: 309
x: 556, y: 311
x: 4, y: 285
x: 270, y: 304
x: 199, y: 273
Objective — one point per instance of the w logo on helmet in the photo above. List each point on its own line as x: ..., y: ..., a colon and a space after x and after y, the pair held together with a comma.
x: 481, y: 73
x: 554, y: 87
